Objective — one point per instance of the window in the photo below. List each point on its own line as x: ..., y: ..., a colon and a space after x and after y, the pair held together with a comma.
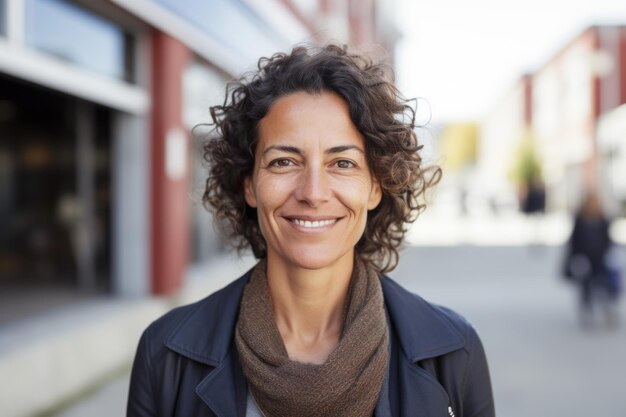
x: 76, y: 35
x: 3, y: 17
x: 217, y: 18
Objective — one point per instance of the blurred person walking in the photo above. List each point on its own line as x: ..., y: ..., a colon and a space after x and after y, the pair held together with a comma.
x: 589, y: 264
x: 533, y: 205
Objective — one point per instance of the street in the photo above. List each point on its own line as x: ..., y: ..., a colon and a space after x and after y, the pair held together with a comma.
x: 542, y: 363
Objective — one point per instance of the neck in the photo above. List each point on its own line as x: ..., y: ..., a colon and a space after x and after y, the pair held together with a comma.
x: 308, y: 306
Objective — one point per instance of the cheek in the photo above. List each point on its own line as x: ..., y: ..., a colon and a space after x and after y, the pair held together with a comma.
x: 357, y: 193
x: 271, y: 193
x: 358, y: 200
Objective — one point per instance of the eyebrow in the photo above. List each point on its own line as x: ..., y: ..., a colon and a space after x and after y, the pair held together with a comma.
x: 343, y: 148
x: 283, y: 148
x: 298, y: 151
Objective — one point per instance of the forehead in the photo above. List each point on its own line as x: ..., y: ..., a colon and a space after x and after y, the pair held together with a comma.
x: 309, y: 120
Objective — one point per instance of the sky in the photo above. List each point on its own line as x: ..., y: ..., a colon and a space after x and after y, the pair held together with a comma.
x: 459, y: 57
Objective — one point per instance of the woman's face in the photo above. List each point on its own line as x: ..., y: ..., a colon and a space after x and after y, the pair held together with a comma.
x: 311, y: 184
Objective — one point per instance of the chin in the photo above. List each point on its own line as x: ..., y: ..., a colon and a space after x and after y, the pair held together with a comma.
x: 315, y: 259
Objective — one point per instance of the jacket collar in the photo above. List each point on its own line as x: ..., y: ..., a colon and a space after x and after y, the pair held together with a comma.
x: 206, y: 336
x: 422, y: 329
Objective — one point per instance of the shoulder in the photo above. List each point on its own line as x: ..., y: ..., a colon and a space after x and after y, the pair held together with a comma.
x: 411, y: 302
x: 414, y: 317
x: 206, y: 317
x: 464, y: 326
x: 154, y: 336
x: 458, y: 321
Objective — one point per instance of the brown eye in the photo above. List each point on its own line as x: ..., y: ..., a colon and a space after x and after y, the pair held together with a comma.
x: 344, y: 164
x: 281, y: 163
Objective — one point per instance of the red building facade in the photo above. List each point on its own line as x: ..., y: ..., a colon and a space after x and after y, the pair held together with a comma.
x: 560, y: 105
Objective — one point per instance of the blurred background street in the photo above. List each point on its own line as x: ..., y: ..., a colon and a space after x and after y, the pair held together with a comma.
x: 102, y: 227
x: 541, y: 363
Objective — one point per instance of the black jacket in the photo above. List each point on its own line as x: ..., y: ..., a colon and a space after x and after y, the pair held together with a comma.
x: 590, y: 239
x: 187, y: 365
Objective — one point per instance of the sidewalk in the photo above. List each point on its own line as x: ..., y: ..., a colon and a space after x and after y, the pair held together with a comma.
x: 78, y: 352
x: 108, y: 400
x: 437, y: 228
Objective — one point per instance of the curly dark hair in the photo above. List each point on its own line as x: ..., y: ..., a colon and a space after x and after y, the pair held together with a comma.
x: 384, y: 118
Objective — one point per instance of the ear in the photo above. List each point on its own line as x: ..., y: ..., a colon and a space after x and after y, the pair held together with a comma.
x: 248, y: 192
x: 376, y: 195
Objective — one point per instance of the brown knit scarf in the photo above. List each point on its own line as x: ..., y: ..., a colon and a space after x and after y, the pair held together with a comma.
x: 346, y: 385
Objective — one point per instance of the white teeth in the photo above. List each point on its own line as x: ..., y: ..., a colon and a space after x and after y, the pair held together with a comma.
x: 313, y: 224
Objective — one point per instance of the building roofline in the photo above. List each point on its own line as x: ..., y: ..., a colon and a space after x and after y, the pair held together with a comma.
x: 569, y: 43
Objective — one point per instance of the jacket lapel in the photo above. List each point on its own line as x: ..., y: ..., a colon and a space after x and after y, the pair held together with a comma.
x: 419, y: 331
x: 419, y: 394
x: 206, y: 336
x: 224, y: 389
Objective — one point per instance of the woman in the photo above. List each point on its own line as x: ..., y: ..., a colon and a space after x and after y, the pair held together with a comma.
x: 586, y: 261
x: 315, y: 166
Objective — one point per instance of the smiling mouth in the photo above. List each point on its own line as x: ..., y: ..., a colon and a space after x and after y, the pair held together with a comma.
x: 312, y: 224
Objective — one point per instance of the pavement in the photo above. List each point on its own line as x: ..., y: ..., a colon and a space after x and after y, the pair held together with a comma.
x: 542, y: 363
x: 108, y: 400
x: 76, y: 357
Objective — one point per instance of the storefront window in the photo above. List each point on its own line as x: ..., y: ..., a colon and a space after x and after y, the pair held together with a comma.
x: 3, y: 17
x: 252, y: 37
x: 55, y: 198
x: 73, y: 34
x: 308, y: 7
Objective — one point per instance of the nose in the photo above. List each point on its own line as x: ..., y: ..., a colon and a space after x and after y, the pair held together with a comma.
x: 314, y: 187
